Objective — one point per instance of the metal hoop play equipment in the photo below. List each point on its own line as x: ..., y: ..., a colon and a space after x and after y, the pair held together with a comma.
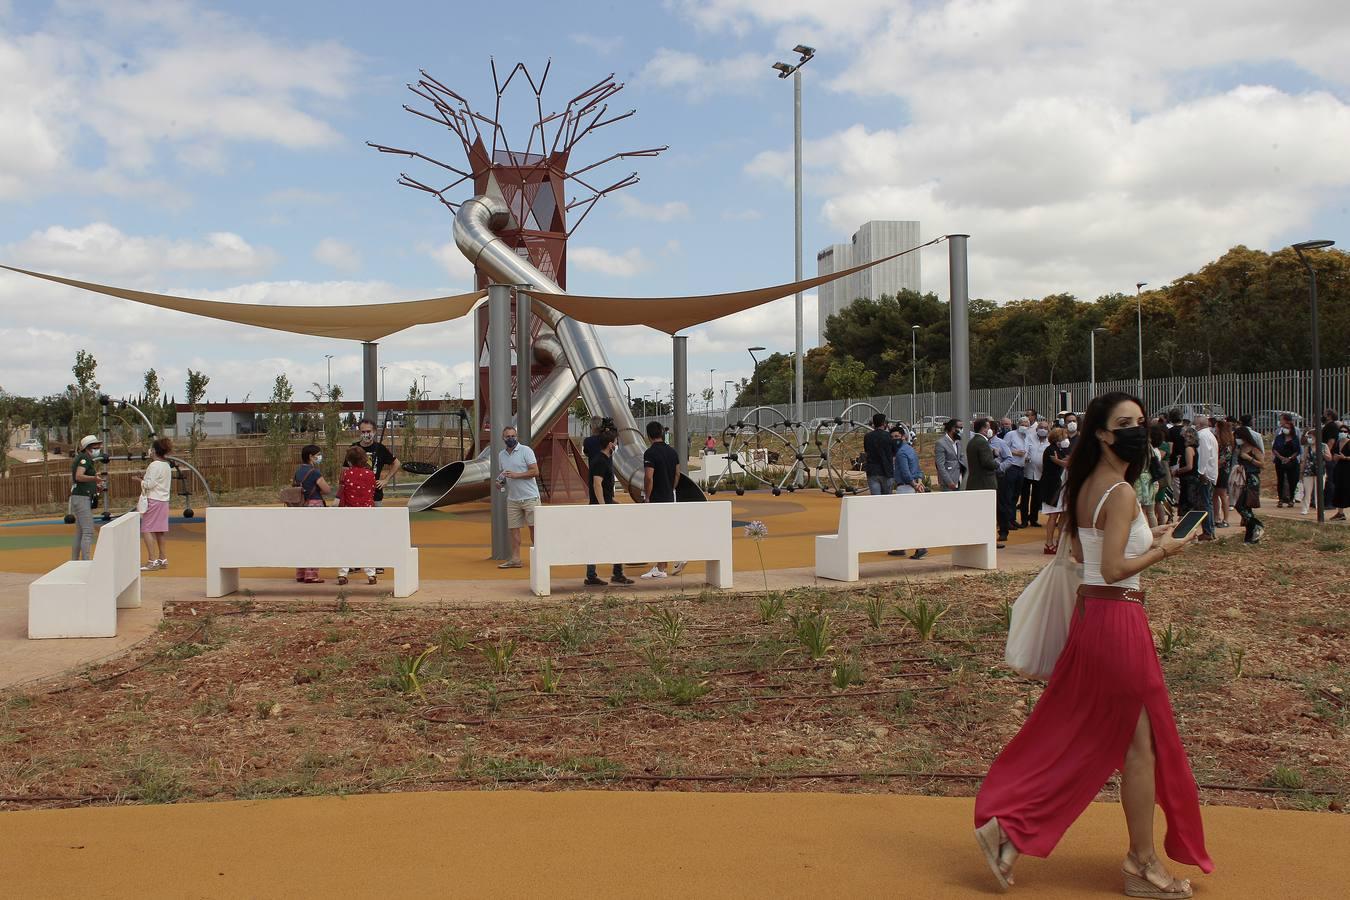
x: 830, y: 437
x: 743, y: 442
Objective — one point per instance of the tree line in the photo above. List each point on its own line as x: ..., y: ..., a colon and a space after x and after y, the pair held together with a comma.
x: 1247, y: 311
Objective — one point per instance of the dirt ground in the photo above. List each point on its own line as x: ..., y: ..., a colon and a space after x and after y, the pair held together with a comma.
x: 695, y: 692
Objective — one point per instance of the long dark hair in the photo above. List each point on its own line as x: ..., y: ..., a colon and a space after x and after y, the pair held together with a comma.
x: 1089, y: 449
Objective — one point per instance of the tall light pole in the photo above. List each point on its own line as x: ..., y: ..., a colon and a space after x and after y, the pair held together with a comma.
x: 1092, y: 343
x: 329, y: 358
x: 754, y: 378
x: 1139, y: 320
x: 805, y: 54
x: 711, y: 393
x: 726, y: 405
x: 382, y: 368
x: 1300, y: 248
x: 913, y: 370
x: 627, y: 382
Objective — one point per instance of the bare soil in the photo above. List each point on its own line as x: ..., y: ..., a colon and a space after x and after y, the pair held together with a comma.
x: 694, y: 692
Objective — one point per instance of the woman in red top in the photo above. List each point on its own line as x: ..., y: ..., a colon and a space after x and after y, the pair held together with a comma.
x: 356, y: 487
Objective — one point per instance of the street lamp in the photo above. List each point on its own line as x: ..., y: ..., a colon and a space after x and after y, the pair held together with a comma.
x: 805, y: 55
x: 1300, y: 248
x: 382, y: 368
x: 629, y: 390
x: 1092, y: 340
x: 726, y: 405
x: 1139, y: 320
x: 913, y: 371
x: 329, y: 357
x: 754, y: 378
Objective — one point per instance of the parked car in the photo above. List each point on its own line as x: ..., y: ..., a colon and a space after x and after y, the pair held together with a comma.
x: 1190, y: 410
x: 1267, y: 420
x: 30, y: 445
x: 932, y: 424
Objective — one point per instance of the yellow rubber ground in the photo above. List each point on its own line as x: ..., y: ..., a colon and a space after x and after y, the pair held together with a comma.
x: 621, y: 844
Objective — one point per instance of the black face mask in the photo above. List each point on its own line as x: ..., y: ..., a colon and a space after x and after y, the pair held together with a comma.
x: 1130, y: 442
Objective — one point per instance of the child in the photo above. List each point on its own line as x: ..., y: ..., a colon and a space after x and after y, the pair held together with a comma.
x: 356, y: 487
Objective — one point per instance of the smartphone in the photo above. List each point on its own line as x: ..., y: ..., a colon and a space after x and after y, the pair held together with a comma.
x: 1189, y: 522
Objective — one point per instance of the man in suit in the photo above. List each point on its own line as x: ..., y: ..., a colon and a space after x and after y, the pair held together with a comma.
x: 983, y: 474
x: 950, y: 457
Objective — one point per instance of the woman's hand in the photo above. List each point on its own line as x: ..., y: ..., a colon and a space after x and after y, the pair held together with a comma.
x: 1171, y: 546
x: 1160, y: 530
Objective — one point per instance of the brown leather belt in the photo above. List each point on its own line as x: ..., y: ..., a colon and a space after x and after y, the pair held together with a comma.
x: 1109, y: 592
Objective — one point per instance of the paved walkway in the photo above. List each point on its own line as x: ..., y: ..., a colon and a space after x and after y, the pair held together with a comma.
x: 620, y: 844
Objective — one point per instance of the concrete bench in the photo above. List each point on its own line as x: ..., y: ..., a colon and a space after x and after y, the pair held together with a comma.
x: 300, y: 537
x: 962, y: 520
x: 621, y: 532
x: 80, y: 598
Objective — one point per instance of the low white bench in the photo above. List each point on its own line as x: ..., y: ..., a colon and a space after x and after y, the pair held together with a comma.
x: 620, y: 532
x: 80, y: 598
x: 301, y: 537
x: 962, y: 520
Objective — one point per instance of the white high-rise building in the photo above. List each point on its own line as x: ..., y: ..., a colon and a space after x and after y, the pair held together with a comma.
x: 872, y: 240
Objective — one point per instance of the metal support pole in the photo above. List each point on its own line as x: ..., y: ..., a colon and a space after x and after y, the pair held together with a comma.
x: 476, y: 359
x: 370, y: 368
x: 499, y: 405
x: 679, y: 438
x: 1139, y: 324
x: 913, y: 374
x: 1092, y: 364
x: 524, y: 362
x: 798, y: 378
x: 960, y: 327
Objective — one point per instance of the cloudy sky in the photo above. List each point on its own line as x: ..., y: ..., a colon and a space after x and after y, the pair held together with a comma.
x: 218, y: 150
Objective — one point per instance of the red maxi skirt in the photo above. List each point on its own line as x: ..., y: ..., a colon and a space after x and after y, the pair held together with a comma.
x: 1079, y: 730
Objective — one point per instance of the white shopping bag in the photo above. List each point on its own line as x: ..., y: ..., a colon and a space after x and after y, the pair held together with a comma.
x: 1042, y: 615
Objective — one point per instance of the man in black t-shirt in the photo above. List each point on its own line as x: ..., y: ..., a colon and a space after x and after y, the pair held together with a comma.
x: 594, y: 441
x: 381, y: 457
x: 879, y: 457
x: 600, y: 484
x: 661, y: 465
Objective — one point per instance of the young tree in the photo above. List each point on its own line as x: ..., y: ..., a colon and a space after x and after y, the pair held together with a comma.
x: 848, y: 379
x: 153, y: 402
x: 279, y: 428
x: 408, y: 450
x: 84, y: 393
x: 332, y: 433
x: 7, y: 407
x: 196, y: 392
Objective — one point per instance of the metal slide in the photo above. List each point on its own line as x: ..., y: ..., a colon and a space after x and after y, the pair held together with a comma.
x: 584, y: 365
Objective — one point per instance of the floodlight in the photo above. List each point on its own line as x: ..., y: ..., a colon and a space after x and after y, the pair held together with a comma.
x: 784, y: 70
x: 1320, y: 244
x: 805, y: 51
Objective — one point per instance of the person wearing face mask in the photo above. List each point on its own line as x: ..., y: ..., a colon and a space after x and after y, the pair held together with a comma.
x: 1105, y: 708
x: 519, y: 478
x: 1015, y: 473
x: 1339, y: 453
x: 309, y: 478
x: 1287, y: 452
x: 949, y: 457
x: 382, y: 459
x: 1250, y: 459
x: 1331, y: 429
x: 1029, y: 502
x: 1007, y: 519
x: 1054, y: 460
x: 1071, y: 428
x: 983, y: 474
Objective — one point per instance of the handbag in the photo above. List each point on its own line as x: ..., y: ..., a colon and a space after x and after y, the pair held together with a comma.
x: 1041, y: 616
x: 142, y: 504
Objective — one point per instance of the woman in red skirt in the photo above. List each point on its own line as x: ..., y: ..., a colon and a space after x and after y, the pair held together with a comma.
x: 1105, y: 707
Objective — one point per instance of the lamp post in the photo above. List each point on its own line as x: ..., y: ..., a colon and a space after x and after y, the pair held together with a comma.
x: 805, y: 54
x: 627, y: 382
x: 1092, y: 343
x: 1300, y: 248
x: 329, y: 358
x: 754, y: 378
x: 1139, y: 321
x: 913, y: 371
x: 726, y: 405
x: 382, y: 368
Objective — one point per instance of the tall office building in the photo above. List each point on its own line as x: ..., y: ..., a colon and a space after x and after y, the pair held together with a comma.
x: 871, y: 241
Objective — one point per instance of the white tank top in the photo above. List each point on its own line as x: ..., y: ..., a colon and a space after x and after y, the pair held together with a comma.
x: 1138, y: 543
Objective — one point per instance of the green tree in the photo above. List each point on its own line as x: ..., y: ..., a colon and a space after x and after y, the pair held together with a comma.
x: 84, y: 393
x: 152, y: 402
x: 332, y: 433
x: 408, y: 450
x: 279, y: 428
x: 7, y: 407
x: 196, y: 393
x: 849, y: 379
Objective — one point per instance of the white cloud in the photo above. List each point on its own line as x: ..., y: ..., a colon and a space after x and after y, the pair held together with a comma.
x: 698, y: 78
x: 599, y: 43
x: 633, y: 208
x: 455, y: 264
x: 338, y: 254
x: 102, y: 249
x: 596, y: 259
x: 808, y: 17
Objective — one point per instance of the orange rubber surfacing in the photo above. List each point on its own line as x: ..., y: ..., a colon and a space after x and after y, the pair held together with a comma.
x: 455, y: 542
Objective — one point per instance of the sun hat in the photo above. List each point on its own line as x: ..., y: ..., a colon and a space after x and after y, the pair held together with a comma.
x: 89, y: 439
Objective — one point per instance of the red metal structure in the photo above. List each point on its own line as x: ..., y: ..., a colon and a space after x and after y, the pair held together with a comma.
x: 532, y: 181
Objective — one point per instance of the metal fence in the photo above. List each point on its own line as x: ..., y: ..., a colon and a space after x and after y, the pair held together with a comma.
x: 1233, y: 394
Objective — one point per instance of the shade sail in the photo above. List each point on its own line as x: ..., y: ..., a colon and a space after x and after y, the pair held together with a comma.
x: 670, y: 314
x: 365, y: 322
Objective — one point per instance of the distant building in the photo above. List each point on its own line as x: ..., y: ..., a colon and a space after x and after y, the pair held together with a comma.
x: 872, y: 240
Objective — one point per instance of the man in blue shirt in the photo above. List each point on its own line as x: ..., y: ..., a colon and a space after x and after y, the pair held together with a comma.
x: 1003, y: 455
x: 908, y: 478
x: 519, y: 478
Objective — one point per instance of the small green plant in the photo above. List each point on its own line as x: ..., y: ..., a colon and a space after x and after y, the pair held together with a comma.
x: 657, y: 662
x: 924, y: 617
x: 683, y: 690
x: 498, y: 655
x: 1171, y: 640
x: 452, y: 638
x: 1237, y: 656
x: 876, y: 610
x: 770, y: 608
x: 407, y: 671
x: 342, y: 605
x: 669, y: 626
x: 847, y: 671
x: 813, y: 632
x: 548, y: 678
x: 267, y: 709
x: 574, y: 633
x: 1005, y: 615
x: 1286, y: 778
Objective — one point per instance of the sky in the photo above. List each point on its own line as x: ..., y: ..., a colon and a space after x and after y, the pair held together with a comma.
x: 218, y: 150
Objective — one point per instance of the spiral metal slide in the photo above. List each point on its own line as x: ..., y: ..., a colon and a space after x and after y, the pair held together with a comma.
x: 579, y: 362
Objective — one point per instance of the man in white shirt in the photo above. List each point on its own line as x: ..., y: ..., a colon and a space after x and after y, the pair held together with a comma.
x: 1207, y: 467
x: 519, y: 474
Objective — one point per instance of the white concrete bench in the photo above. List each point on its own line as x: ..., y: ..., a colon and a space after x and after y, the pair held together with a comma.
x: 301, y: 537
x: 80, y: 598
x: 962, y: 520
x: 621, y: 532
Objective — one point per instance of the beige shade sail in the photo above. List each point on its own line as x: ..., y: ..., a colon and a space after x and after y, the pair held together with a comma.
x: 364, y: 322
x: 670, y: 314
